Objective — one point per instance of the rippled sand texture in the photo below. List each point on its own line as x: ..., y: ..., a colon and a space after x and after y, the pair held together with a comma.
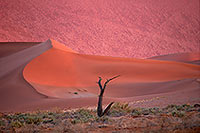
x: 125, y: 28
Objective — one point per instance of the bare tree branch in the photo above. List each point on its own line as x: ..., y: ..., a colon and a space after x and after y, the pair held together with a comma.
x: 107, y: 108
x: 108, y: 80
x: 99, y: 82
x: 100, y: 111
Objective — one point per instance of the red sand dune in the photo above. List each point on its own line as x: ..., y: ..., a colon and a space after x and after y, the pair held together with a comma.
x: 121, y: 28
x: 125, y: 28
x: 55, y: 72
x: 59, y: 70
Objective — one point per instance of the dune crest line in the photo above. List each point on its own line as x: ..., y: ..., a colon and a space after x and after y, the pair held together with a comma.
x: 136, y: 83
x: 60, y: 71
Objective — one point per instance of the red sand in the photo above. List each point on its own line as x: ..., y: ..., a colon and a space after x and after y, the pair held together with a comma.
x: 181, y: 57
x: 59, y: 72
x: 62, y: 69
x: 119, y: 28
x: 125, y: 28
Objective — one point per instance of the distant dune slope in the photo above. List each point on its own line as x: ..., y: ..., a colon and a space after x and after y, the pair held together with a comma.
x: 60, y: 71
x: 193, y: 58
x: 121, y: 28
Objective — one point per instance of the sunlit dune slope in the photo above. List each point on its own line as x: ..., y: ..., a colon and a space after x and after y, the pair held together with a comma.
x: 61, y: 70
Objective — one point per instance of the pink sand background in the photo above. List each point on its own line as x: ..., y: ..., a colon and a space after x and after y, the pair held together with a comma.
x: 123, y: 28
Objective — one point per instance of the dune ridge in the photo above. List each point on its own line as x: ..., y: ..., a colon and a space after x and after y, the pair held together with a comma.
x: 14, y: 90
x: 21, y: 91
x: 60, y: 72
x: 8, y: 48
x: 193, y: 58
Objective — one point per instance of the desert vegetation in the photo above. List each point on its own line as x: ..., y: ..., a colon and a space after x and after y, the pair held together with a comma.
x: 121, y: 117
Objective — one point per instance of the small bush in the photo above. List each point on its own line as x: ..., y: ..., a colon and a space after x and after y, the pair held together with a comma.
x: 155, y: 111
x: 16, y: 124
x: 82, y: 115
x: 119, y: 109
x: 33, y: 120
x: 136, y: 112
x: 171, y: 106
x: 103, y: 119
x: 145, y: 111
x: 2, y: 123
x: 178, y: 113
x: 122, y: 106
x: 49, y: 120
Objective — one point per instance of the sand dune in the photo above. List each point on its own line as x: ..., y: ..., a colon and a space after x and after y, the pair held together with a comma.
x: 16, y: 94
x: 59, y: 70
x: 8, y: 48
x: 193, y: 58
x: 14, y: 90
x: 125, y: 28
x: 51, y: 75
x: 55, y: 72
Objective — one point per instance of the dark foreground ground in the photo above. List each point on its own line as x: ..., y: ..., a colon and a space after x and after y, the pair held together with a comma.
x: 121, y: 118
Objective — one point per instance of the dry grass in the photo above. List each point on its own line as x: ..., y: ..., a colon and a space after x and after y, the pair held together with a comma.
x: 121, y: 118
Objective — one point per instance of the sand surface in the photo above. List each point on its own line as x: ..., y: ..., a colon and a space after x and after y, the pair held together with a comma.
x: 47, y: 75
x: 121, y: 28
x: 193, y: 58
x: 8, y: 48
x: 160, y: 40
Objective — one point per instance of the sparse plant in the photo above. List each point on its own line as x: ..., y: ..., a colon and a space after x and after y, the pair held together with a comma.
x: 171, y: 106
x: 136, y: 112
x: 119, y: 109
x: 82, y: 116
x: 33, y: 119
x: 153, y: 110
x: 103, y: 119
x: 2, y: 123
x: 85, y: 119
x: 16, y: 124
x: 178, y: 113
x: 145, y: 111
x: 122, y: 106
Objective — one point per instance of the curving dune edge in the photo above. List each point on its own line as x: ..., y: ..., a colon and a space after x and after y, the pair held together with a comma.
x: 60, y: 71
x: 57, y: 76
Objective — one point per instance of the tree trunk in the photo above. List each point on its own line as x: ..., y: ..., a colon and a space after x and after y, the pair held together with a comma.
x: 100, y: 111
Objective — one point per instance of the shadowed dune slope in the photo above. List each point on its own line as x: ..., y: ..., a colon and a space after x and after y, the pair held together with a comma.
x: 14, y: 90
x: 16, y: 94
x: 60, y: 71
x: 193, y: 58
x: 8, y: 48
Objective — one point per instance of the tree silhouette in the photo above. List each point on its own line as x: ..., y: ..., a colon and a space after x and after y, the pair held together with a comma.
x: 100, y: 111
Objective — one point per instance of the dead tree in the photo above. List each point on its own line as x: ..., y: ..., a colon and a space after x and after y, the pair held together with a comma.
x: 100, y: 111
